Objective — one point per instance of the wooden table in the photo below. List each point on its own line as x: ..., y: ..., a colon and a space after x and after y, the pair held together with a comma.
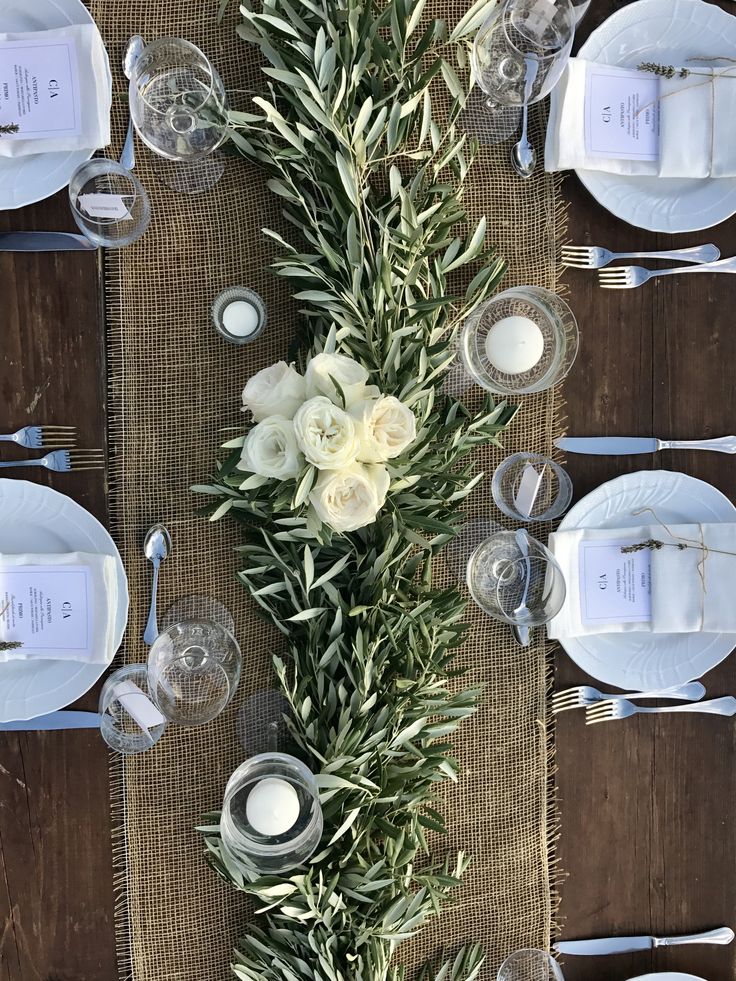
x: 648, y: 839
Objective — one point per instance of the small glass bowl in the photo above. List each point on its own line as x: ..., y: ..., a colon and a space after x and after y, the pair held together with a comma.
x: 103, y: 177
x: 234, y: 328
x: 118, y: 727
x: 250, y: 848
x: 559, y: 340
x: 554, y: 494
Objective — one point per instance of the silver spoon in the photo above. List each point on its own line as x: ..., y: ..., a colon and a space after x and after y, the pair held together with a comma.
x: 133, y: 49
x: 522, y: 633
x: 157, y: 547
x: 523, y: 155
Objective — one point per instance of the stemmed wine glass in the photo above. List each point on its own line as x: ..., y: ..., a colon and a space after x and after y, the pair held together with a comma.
x: 518, y: 55
x: 178, y: 106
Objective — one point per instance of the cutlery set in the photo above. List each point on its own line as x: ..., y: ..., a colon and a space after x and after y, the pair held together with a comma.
x: 61, y: 440
x: 701, y: 258
x: 606, y: 707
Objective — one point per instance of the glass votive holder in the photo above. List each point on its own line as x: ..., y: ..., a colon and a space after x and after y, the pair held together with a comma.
x: 530, y: 965
x: 271, y: 818
x: 531, y: 487
x: 514, y: 578
x: 523, y: 340
x: 109, y: 203
x: 239, y: 314
x: 131, y: 723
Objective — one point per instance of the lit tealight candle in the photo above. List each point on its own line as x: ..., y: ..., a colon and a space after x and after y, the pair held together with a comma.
x: 514, y: 345
x: 240, y: 318
x: 272, y: 807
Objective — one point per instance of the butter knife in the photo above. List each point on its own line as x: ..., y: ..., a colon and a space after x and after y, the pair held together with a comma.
x: 626, y: 445
x: 65, y: 719
x: 44, y: 242
x: 624, y: 945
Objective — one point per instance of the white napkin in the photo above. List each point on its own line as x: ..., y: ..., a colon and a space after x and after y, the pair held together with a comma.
x: 696, y: 121
x: 94, y: 96
x: 101, y: 601
x: 681, y: 601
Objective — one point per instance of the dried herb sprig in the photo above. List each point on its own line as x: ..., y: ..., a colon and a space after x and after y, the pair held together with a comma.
x: 664, y: 71
x: 10, y: 645
x: 7, y: 128
x: 651, y: 543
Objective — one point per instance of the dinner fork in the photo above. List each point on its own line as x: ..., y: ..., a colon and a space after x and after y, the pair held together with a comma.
x: 43, y: 437
x: 593, y: 256
x: 621, y: 709
x: 63, y: 461
x: 628, y: 277
x: 584, y: 695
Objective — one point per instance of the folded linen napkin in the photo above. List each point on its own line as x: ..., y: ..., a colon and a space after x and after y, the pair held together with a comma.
x: 659, y: 590
x: 697, y: 137
x: 59, y: 606
x: 32, y: 97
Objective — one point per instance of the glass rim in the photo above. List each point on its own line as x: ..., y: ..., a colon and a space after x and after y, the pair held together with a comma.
x: 159, y: 42
x: 511, y: 12
x: 99, y: 167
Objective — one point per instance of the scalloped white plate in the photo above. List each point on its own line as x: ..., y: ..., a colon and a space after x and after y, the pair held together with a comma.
x: 37, y: 519
x: 646, y: 661
x: 667, y: 31
x: 26, y: 179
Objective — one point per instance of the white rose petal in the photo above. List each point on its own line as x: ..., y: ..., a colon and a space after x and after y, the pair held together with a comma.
x: 271, y: 450
x: 349, y: 375
x: 351, y: 498
x: 275, y: 391
x: 325, y: 434
x: 385, y: 428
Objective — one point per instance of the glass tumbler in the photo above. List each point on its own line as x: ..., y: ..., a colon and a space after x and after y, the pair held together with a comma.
x: 109, y: 203
x: 518, y: 472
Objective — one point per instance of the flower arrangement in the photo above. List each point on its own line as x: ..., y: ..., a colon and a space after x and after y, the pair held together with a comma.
x: 333, y: 423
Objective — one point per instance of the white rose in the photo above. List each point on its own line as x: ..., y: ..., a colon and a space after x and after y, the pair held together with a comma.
x: 351, y: 498
x: 270, y: 449
x: 385, y: 428
x: 275, y: 391
x: 325, y: 434
x: 349, y: 375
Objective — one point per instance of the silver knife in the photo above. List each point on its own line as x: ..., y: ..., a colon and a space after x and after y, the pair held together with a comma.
x: 623, y: 945
x: 65, y: 719
x: 44, y: 242
x: 625, y: 445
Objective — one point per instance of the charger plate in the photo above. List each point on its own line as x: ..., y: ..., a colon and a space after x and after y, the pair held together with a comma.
x: 34, y: 518
x: 668, y: 32
x: 644, y: 661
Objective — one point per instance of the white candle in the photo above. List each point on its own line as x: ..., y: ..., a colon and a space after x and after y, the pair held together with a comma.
x: 240, y: 318
x: 272, y: 807
x: 514, y: 345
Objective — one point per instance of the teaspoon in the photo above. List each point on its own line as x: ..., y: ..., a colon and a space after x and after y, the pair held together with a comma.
x: 133, y: 49
x: 523, y: 155
x: 157, y: 547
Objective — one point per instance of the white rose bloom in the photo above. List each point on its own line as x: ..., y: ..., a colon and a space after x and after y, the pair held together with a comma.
x: 325, y: 434
x: 275, y: 391
x: 270, y: 449
x: 349, y: 375
x: 385, y: 428
x: 351, y: 498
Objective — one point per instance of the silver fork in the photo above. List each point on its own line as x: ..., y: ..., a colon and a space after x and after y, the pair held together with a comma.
x: 628, y: 277
x: 584, y: 695
x: 609, y: 711
x: 63, y: 460
x: 43, y: 437
x: 593, y: 256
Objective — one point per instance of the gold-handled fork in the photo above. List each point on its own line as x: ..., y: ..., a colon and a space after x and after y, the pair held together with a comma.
x: 62, y: 461
x: 43, y: 437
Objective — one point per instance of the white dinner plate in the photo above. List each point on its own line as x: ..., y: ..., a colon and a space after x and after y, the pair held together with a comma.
x: 37, y: 519
x: 646, y: 661
x: 36, y: 176
x: 667, y: 976
x: 668, y: 32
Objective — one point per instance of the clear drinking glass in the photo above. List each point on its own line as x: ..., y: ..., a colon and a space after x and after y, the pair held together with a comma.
x: 193, y: 671
x: 109, y: 204
x: 530, y: 965
x: 518, y: 584
x: 178, y: 107
x: 281, y: 830
x: 130, y: 723
x: 554, y: 492
x: 518, y: 55
x: 530, y: 309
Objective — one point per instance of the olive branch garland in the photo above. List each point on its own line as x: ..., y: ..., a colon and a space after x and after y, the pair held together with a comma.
x: 370, y: 174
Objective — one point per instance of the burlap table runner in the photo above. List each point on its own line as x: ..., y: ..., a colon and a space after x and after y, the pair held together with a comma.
x: 173, y: 385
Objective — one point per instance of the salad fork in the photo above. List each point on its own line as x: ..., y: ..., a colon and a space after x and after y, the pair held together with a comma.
x: 43, y: 437
x: 62, y: 461
x: 584, y: 695
x: 629, y: 277
x: 621, y: 709
x: 594, y: 257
